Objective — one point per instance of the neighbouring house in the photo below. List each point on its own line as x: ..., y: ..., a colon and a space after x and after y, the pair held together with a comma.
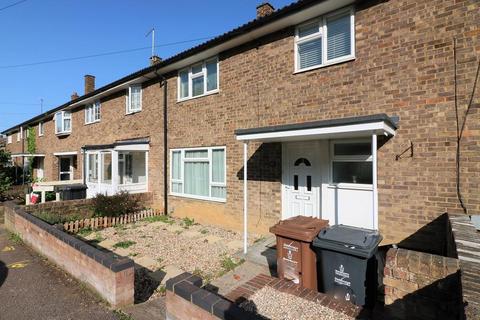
x: 339, y: 109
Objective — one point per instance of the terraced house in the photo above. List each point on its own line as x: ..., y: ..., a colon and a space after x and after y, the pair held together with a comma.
x: 346, y: 110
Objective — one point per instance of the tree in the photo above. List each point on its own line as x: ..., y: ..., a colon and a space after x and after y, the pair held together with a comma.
x: 5, y: 180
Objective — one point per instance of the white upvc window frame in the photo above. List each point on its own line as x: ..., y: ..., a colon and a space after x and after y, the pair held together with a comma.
x: 209, y: 159
x: 192, y: 76
x: 128, y: 107
x: 20, y: 134
x: 93, y: 113
x: 350, y: 158
x: 95, y: 169
x: 9, y: 138
x: 323, y: 33
x: 41, y: 129
x: 66, y: 115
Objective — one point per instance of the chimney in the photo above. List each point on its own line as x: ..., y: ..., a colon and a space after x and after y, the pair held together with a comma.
x: 74, y: 96
x: 89, y: 83
x: 155, y: 59
x: 264, y: 10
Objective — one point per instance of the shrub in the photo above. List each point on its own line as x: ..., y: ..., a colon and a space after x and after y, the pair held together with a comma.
x: 55, y: 218
x: 116, y: 205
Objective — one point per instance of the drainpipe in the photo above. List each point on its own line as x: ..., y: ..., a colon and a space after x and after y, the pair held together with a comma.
x: 164, y: 83
x: 84, y: 167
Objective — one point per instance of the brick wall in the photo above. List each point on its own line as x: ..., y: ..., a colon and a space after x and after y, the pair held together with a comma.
x: 422, y: 286
x: 111, y: 277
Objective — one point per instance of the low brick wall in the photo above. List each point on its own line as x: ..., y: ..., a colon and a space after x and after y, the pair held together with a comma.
x: 421, y: 286
x: 467, y: 247
x: 81, y: 207
x: 111, y: 277
x: 187, y: 300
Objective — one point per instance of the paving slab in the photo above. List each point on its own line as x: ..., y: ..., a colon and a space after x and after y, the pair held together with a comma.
x: 146, y: 262
x: 150, y: 310
x: 107, y: 243
x: 174, y: 228
x: 123, y: 252
x: 235, y: 245
x: 211, y: 239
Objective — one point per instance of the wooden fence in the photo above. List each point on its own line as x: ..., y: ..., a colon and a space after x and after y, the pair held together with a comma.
x: 105, y: 222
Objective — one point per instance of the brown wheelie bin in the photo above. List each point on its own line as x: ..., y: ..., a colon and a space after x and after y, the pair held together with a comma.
x: 296, y: 261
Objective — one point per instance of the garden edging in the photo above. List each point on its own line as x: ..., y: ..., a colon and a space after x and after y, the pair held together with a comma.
x: 110, y: 276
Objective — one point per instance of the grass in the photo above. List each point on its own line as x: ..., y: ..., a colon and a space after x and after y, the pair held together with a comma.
x: 160, y: 218
x: 15, y: 238
x: 204, y: 231
x: 98, y: 237
x: 161, y: 289
x: 187, y: 222
x: 124, y: 244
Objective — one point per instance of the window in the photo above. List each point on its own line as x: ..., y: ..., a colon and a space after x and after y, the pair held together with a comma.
x: 9, y: 138
x: 20, y: 135
x: 352, y: 162
x: 199, y: 173
x: 106, y: 167
x: 41, y: 130
x: 198, y: 80
x: 132, y: 167
x: 324, y: 41
x: 134, y: 98
x: 93, y: 167
x: 63, y: 122
x: 92, y: 113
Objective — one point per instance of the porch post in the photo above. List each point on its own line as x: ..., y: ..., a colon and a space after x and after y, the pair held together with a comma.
x: 374, y: 181
x: 245, y: 196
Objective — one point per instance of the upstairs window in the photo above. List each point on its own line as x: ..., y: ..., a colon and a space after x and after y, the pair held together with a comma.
x: 325, y: 40
x: 92, y: 113
x: 198, y: 80
x: 9, y: 138
x: 134, y: 98
x: 41, y: 130
x: 19, y: 135
x: 63, y: 122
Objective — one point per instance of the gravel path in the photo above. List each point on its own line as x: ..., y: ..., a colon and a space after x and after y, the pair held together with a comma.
x: 276, y: 305
x: 194, y: 248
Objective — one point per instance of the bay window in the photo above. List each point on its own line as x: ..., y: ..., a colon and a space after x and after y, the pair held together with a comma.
x: 352, y: 162
x: 199, y: 173
x: 92, y: 113
x: 325, y: 40
x: 198, y: 80
x: 63, y: 122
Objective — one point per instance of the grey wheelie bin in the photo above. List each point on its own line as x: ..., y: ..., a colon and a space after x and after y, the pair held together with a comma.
x: 346, y: 263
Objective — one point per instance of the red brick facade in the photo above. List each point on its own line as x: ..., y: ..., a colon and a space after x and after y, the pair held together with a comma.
x: 404, y: 66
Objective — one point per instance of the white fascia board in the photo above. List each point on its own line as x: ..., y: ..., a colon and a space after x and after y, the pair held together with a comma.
x: 363, y: 129
x: 133, y: 147
x: 66, y: 153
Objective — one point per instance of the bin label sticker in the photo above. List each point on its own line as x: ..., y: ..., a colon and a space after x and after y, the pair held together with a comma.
x: 341, y: 275
x: 290, y: 261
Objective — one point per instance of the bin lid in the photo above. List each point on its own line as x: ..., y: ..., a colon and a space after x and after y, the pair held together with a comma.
x: 351, y: 240
x: 299, y: 228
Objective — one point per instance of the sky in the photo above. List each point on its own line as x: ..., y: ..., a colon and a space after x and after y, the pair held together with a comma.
x: 35, y: 31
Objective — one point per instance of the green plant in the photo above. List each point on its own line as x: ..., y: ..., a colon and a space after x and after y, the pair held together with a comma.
x: 98, y: 237
x: 133, y: 254
x: 15, y: 238
x: 228, y: 263
x: 161, y: 289
x: 5, y: 176
x: 50, y: 195
x: 187, y: 222
x: 204, y: 231
x: 85, y: 232
x: 120, y: 315
x: 113, y: 206
x: 124, y: 244
x: 55, y: 218
x: 160, y: 218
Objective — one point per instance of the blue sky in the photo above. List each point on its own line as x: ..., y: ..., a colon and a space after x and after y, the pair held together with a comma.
x: 42, y: 30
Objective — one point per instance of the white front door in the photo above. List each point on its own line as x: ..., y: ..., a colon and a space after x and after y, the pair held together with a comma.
x: 301, y: 180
